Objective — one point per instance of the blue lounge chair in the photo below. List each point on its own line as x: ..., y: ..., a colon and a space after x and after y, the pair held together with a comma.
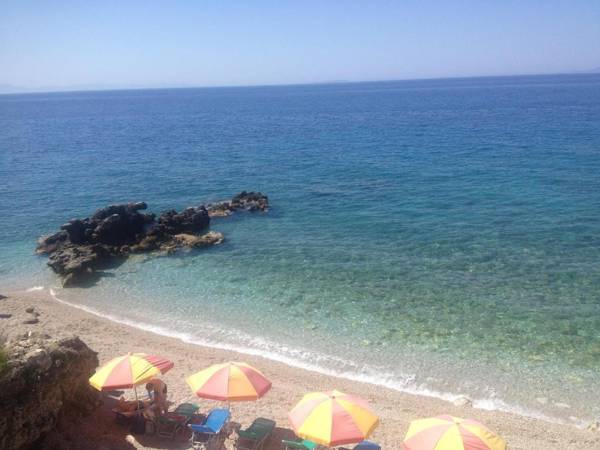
x: 210, y: 433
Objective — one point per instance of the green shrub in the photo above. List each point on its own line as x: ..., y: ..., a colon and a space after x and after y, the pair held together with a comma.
x: 3, y: 360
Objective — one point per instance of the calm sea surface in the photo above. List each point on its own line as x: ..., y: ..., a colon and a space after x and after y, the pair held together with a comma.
x: 440, y: 237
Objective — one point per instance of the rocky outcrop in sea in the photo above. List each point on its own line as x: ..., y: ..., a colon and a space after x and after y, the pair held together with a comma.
x: 248, y: 201
x: 82, y: 248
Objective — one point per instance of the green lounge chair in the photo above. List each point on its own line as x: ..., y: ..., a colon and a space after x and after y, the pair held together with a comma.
x: 187, y: 409
x: 298, y: 444
x: 255, y: 436
x: 173, y: 423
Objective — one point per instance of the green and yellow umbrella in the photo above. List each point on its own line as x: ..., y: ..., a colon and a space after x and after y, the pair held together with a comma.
x: 332, y: 418
x: 450, y: 433
x: 229, y: 382
x: 129, y: 371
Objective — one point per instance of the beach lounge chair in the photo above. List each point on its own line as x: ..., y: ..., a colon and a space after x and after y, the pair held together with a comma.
x: 126, y: 417
x: 364, y: 445
x: 210, y: 433
x: 173, y: 423
x: 298, y: 444
x: 140, y: 421
x: 255, y: 436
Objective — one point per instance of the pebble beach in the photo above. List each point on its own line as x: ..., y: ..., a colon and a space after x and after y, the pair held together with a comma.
x: 395, y: 409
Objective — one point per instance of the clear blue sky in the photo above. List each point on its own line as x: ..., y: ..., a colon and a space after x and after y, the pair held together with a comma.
x: 70, y: 44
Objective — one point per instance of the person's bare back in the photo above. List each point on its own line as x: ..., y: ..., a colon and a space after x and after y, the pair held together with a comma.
x: 158, y: 391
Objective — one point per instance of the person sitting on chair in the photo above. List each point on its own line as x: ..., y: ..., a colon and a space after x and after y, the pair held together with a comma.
x: 130, y: 405
x: 157, y: 390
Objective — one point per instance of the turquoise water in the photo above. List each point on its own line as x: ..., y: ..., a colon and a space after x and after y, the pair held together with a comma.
x: 440, y: 237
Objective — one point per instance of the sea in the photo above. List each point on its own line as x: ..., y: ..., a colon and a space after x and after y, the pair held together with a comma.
x: 438, y: 237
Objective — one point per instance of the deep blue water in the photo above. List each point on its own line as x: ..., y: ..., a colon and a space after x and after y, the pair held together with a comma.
x: 438, y: 235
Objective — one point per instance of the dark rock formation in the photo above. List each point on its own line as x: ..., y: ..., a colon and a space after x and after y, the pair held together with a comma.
x: 77, y: 262
x: 83, y: 247
x: 44, y: 384
x: 247, y: 201
x: 190, y: 220
x: 250, y: 201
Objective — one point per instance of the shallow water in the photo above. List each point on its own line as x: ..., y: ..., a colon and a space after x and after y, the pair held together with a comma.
x: 436, y: 236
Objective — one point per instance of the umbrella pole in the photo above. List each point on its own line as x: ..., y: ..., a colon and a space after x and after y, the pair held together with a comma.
x: 137, y: 402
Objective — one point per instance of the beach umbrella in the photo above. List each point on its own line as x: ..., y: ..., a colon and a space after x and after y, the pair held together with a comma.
x: 449, y: 433
x: 229, y: 382
x: 129, y: 371
x: 332, y: 418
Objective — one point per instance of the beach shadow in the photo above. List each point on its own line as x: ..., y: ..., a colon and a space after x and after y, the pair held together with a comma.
x: 279, y: 434
x: 164, y: 443
x: 118, y: 434
x: 114, y: 395
x: 101, y: 271
x: 274, y: 440
x: 103, y: 428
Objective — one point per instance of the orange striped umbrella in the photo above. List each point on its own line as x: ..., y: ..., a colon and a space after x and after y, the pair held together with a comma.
x: 128, y: 371
x: 450, y: 433
x: 332, y: 418
x: 229, y: 382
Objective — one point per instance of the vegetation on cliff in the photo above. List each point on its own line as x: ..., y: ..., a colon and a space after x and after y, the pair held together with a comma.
x: 3, y: 360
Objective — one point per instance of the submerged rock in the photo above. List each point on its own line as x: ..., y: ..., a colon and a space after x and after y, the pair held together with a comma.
x: 190, y: 240
x: 250, y: 201
x: 84, y: 247
x: 246, y: 201
x: 185, y: 240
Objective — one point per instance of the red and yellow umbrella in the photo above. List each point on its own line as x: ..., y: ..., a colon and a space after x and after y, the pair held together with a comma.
x: 333, y: 418
x: 229, y: 382
x: 129, y: 371
x: 450, y: 433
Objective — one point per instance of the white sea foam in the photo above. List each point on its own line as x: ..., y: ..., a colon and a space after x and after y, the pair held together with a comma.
x: 35, y: 288
x: 315, y: 362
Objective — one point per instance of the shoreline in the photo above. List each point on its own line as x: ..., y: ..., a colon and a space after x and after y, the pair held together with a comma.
x: 110, y: 338
x: 482, y: 404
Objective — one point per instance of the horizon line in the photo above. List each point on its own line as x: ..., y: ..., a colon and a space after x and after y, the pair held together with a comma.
x: 74, y: 89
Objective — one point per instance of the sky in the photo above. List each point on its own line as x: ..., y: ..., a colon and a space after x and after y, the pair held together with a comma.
x: 55, y: 45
